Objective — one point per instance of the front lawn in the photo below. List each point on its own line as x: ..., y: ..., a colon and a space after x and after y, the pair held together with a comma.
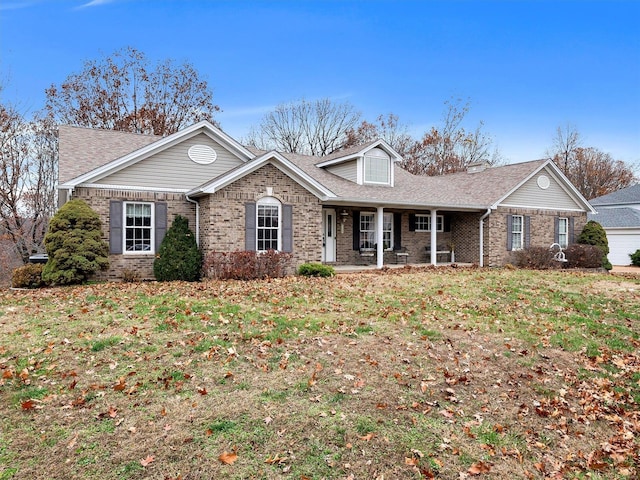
x: 448, y: 373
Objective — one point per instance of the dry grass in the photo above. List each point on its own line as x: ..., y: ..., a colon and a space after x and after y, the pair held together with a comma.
x: 414, y: 374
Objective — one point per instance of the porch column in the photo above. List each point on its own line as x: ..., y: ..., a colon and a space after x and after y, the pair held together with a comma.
x: 380, y: 237
x: 434, y: 236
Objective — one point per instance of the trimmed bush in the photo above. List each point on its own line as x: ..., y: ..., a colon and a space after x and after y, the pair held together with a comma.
x: 538, y: 258
x: 74, y: 245
x: 178, y: 257
x: 247, y: 265
x: 316, y: 270
x: 583, y: 256
x: 635, y: 258
x: 594, y: 234
x: 28, y: 276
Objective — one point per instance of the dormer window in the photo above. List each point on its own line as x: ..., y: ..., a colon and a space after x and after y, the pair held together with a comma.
x: 377, y: 167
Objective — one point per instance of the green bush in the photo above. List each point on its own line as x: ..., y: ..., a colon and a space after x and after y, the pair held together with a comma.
x: 316, y: 270
x: 179, y: 257
x: 74, y: 245
x: 28, y: 276
x: 635, y: 258
x: 594, y: 234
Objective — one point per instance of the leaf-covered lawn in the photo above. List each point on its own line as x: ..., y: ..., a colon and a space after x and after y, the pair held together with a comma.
x: 412, y: 374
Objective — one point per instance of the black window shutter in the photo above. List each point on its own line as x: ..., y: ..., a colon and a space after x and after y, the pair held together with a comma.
x: 571, y: 231
x: 447, y: 223
x: 397, y: 231
x: 115, y: 227
x: 527, y: 231
x: 250, y: 227
x: 287, y: 228
x: 161, y: 223
x: 509, y: 232
x: 556, y: 230
x: 356, y: 230
x: 412, y: 222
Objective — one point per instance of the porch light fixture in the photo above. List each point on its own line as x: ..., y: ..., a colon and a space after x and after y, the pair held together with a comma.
x: 344, y: 215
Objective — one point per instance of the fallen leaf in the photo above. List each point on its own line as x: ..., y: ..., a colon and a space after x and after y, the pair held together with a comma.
x: 228, y: 458
x: 146, y: 461
x: 28, y: 405
x: 478, y: 468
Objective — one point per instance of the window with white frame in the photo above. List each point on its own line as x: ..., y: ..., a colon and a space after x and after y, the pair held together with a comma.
x: 138, y: 227
x: 517, y: 232
x: 368, y: 236
x: 563, y: 232
x: 377, y: 167
x: 268, y: 224
x: 423, y: 223
x: 367, y: 230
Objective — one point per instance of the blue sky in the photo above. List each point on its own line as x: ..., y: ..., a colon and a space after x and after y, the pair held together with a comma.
x: 526, y: 66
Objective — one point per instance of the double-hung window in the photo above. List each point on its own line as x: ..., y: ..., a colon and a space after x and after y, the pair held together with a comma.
x: 423, y: 223
x: 268, y: 224
x: 563, y: 232
x: 368, y: 236
x: 517, y: 232
x: 138, y: 227
x: 377, y: 167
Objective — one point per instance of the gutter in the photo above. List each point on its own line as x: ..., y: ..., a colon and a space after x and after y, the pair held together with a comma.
x: 197, y: 204
x: 487, y: 213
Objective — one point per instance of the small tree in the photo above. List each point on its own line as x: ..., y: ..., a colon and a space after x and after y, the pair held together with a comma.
x: 179, y: 257
x: 74, y: 245
x: 594, y: 234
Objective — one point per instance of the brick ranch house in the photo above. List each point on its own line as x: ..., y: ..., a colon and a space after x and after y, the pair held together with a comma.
x: 353, y: 206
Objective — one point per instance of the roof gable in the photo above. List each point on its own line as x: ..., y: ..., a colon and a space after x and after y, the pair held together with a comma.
x: 545, y: 189
x: 160, y: 145
x: 276, y: 159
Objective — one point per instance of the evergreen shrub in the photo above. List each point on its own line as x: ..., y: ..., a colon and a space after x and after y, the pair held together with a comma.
x: 594, y: 234
x: 178, y: 257
x: 316, y: 270
x: 74, y: 244
x: 28, y: 276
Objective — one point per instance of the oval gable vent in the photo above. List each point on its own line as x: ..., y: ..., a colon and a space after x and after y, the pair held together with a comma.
x: 202, y: 154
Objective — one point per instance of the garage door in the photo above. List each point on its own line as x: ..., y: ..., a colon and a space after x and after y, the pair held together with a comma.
x: 621, y: 244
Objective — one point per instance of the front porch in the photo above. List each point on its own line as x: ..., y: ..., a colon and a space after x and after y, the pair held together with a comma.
x: 360, y: 238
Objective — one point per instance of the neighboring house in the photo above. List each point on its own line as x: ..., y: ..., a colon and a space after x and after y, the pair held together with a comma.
x: 619, y: 215
x: 353, y: 206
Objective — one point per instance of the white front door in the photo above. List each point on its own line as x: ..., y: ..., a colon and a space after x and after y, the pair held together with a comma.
x: 328, y: 235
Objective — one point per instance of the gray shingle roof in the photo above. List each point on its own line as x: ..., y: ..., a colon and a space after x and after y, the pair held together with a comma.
x: 84, y: 149
x: 461, y: 190
x: 622, y: 217
x: 621, y: 197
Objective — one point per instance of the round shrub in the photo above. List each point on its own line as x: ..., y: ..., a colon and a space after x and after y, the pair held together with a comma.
x: 635, y: 258
x: 74, y: 245
x: 28, y: 276
x: 178, y: 257
x: 594, y: 234
x: 316, y: 270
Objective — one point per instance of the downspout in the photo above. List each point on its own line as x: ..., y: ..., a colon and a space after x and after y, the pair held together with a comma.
x: 482, y: 236
x: 197, y: 204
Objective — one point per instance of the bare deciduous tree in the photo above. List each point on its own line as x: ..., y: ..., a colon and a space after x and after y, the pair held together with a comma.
x: 450, y: 148
x: 27, y: 180
x: 307, y: 127
x: 593, y: 172
x: 124, y: 92
x: 387, y: 128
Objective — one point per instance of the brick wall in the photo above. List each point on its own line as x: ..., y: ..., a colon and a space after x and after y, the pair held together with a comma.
x: 222, y: 214
x: 141, y: 264
x: 542, y: 230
